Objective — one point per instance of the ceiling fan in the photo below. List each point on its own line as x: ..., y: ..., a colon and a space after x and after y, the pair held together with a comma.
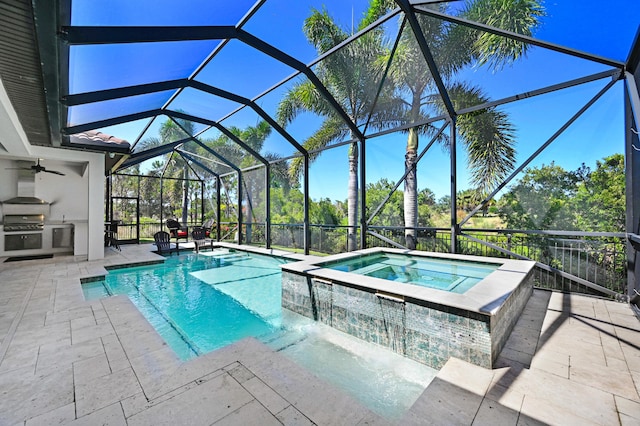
x: 37, y: 168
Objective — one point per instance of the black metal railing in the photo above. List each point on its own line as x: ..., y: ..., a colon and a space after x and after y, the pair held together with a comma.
x: 599, y: 258
x: 127, y: 231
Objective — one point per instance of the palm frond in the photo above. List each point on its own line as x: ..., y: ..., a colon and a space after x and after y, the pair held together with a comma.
x: 172, y: 131
x: 377, y: 9
x: 322, y: 31
x: 279, y: 172
x: 254, y: 136
x: 302, y: 97
x: 488, y: 136
x: 518, y: 16
x: 332, y: 130
x: 148, y: 143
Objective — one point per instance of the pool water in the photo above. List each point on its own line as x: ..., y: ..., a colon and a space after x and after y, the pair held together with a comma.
x: 380, y: 379
x: 94, y: 290
x: 455, y: 276
x: 190, y: 307
x: 202, y: 302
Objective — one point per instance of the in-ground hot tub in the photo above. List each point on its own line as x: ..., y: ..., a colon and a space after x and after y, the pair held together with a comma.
x: 426, y: 306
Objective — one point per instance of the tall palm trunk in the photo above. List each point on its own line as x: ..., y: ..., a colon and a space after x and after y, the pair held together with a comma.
x: 352, y: 198
x: 410, y: 167
x: 411, y: 190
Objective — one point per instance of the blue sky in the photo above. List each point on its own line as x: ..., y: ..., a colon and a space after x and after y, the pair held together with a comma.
x: 606, y: 31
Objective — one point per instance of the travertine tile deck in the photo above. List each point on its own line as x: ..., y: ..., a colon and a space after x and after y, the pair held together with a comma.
x: 570, y: 360
x: 63, y: 360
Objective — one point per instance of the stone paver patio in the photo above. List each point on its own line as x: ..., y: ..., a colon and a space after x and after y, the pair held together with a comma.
x: 570, y: 360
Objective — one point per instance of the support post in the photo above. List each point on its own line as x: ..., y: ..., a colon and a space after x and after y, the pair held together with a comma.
x: 632, y: 173
x: 138, y: 213
x: 454, y: 207
x: 363, y: 195
x: 201, y: 201
x: 108, y: 197
x: 307, y: 239
x: 267, y: 224
x: 161, y: 202
x: 218, y: 185
x: 239, y: 239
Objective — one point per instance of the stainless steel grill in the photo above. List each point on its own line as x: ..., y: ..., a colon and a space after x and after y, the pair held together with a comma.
x: 22, y: 223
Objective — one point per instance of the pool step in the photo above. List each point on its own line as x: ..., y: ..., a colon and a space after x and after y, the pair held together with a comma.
x: 370, y: 268
x: 227, y: 256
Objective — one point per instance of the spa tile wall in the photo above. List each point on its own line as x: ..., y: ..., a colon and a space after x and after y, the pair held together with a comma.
x: 428, y: 333
x: 505, y: 319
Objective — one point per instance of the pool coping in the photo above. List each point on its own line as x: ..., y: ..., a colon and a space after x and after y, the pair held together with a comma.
x: 484, y: 298
x: 294, y: 257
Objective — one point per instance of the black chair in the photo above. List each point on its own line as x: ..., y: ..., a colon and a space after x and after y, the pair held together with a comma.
x: 199, y: 236
x: 176, y: 230
x: 208, y: 226
x: 111, y: 235
x: 163, y: 242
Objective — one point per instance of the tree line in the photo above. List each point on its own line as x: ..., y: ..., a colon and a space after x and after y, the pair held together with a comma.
x: 547, y: 197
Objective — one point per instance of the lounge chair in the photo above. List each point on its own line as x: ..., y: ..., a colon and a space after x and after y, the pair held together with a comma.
x: 163, y: 243
x: 199, y: 236
x: 176, y: 230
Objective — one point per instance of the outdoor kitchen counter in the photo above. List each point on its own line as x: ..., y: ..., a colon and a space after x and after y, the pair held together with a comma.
x: 56, y: 237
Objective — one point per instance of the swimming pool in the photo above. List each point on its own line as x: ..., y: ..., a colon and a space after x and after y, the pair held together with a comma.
x: 455, y: 276
x: 426, y: 323
x: 202, y: 302
x: 194, y: 312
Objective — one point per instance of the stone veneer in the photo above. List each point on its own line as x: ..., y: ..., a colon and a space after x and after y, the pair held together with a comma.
x: 426, y: 331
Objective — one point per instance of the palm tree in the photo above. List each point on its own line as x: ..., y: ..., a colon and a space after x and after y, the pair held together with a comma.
x: 488, y: 135
x: 352, y: 75
x: 254, y: 137
x: 172, y: 131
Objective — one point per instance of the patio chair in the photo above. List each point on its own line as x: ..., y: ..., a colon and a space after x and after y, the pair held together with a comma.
x: 163, y: 243
x: 111, y: 235
x: 208, y: 225
x: 176, y: 230
x: 199, y: 236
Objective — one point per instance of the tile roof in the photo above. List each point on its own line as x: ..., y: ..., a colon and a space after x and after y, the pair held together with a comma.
x: 96, y: 138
